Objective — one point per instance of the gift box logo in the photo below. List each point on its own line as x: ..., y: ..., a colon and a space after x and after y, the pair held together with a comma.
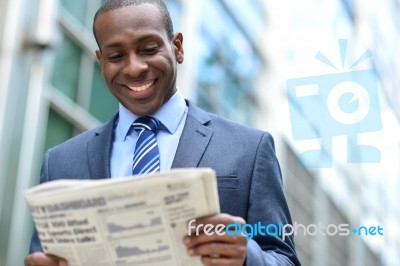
x: 339, y: 104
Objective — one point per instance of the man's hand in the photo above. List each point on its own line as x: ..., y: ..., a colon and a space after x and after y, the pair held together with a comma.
x: 217, y: 249
x: 41, y: 259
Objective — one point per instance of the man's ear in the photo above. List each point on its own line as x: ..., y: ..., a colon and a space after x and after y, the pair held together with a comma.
x: 98, y: 55
x: 177, y: 41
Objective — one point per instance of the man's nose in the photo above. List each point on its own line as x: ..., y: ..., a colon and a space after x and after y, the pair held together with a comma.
x: 134, y: 65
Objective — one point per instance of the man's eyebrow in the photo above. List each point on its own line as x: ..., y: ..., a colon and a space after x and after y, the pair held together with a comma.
x: 112, y: 45
x: 149, y: 36
x: 141, y: 39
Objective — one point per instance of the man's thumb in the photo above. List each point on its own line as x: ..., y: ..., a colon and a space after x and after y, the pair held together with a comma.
x: 62, y: 263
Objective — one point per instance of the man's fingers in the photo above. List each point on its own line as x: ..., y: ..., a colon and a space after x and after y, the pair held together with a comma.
x: 222, y: 218
x: 214, y: 223
x: 192, y: 241
x: 218, y: 239
x: 217, y: 250
x: 213, y: 229
x: 41, y: 259
x: 210, y: 261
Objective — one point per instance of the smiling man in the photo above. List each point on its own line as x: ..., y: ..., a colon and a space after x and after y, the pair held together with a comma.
x: 138, y: 55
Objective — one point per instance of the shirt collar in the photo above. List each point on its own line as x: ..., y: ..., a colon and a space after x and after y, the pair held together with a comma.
x: 170, y: 115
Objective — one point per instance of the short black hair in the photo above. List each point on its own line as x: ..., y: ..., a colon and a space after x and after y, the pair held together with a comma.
x: 109, y: 5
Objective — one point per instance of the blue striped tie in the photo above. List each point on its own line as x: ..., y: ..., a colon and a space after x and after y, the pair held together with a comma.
x: 146, y: 159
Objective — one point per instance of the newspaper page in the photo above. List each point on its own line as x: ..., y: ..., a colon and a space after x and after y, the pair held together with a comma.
x: 132, y: 221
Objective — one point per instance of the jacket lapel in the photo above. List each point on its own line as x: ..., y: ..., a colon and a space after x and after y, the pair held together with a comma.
x: 99, y: 150
x: 195, y: 138
x: 192, y: 144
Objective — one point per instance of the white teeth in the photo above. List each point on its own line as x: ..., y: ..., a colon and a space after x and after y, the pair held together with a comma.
x: 141, y: 88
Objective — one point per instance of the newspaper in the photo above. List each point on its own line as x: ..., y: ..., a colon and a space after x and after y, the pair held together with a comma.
x: 139, y: 220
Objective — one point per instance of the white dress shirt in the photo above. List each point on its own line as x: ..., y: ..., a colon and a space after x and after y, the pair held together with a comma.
x: 172, y: 116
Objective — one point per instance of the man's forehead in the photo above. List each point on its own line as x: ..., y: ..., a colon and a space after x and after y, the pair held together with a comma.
x: 143, y: 8
x: 114, y: 26
x: 141, y: 15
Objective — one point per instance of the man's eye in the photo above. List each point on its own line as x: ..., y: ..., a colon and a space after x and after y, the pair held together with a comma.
x: 114, y: 58
x: 150, y: 50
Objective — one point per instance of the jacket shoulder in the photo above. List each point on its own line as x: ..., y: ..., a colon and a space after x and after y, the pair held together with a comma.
x: 226, y: 127
x: 79, y: 142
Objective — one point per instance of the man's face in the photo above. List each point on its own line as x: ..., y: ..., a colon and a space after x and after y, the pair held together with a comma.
x: 137, y: 58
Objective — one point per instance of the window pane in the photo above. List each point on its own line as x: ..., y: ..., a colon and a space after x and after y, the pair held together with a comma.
x: 67, y: 66
x: 76, y: 8
x: 250, y: 15
x: 102, y: 103
x: 228, y: 66
x: 58, y: 130
x: 175, y: 11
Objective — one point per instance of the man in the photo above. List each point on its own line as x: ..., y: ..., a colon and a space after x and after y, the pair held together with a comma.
x: 138, y: 54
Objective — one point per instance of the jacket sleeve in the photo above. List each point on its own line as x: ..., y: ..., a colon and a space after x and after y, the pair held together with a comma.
x: 267, y: 206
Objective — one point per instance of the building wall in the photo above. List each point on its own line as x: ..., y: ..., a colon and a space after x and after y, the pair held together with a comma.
x: 310, y: 204
x: 20, y: 116
x: 362, y: 193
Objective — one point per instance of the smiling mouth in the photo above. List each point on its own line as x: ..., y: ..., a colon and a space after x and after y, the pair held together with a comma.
x: 140, y: 88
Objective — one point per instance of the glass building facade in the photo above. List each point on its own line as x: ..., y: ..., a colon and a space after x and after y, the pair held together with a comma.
x: 357, y: 194
x: 229, y: 62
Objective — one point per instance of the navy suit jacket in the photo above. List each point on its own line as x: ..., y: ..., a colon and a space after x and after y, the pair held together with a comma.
x: 248, y: 174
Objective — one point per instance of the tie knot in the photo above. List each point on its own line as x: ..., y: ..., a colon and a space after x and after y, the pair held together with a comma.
x: 146, y: 123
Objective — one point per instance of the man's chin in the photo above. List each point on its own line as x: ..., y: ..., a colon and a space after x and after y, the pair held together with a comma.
x: 143, y: 109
